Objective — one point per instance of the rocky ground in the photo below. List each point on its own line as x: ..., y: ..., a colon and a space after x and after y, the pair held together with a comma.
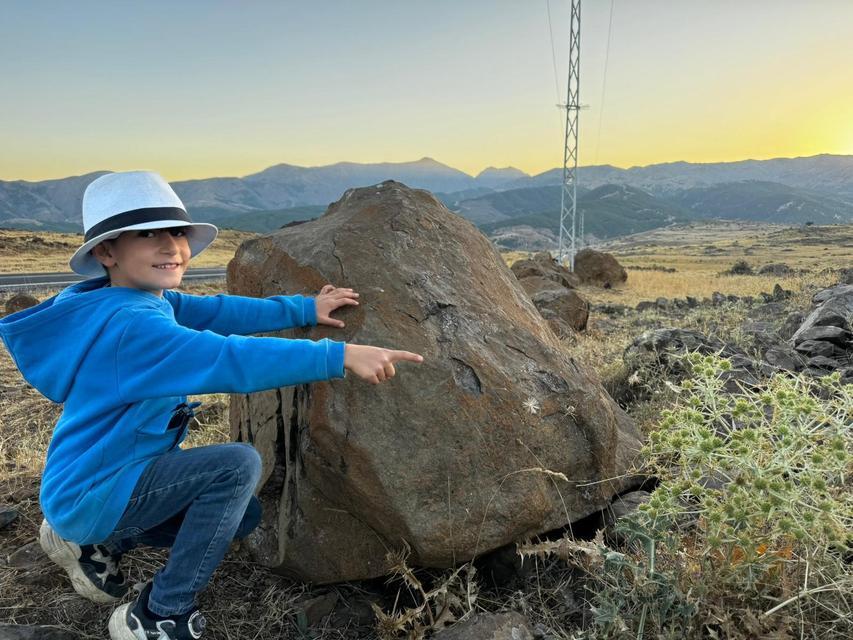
x: 622, y: 334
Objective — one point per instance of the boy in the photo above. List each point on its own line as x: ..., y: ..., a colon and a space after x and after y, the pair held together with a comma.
x: 122, y: 351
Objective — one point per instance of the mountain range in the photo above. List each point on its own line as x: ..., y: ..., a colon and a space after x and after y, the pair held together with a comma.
x: 614, y: 201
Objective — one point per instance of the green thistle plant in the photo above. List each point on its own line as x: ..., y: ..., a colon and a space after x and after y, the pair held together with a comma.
x: 753, y: 507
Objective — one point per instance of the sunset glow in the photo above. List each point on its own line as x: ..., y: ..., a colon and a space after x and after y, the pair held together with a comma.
x: 202, y: 89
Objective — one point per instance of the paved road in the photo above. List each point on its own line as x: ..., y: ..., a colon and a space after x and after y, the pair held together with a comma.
x: 33, y: 281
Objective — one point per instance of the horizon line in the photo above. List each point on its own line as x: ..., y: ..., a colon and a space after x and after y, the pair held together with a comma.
x: 321, y: 166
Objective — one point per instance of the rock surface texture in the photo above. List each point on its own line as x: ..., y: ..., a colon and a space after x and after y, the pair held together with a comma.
x: 454, y: 457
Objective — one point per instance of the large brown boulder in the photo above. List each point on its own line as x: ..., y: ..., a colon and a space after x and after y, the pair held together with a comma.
x: 599, y: 269
x: 499, y: 435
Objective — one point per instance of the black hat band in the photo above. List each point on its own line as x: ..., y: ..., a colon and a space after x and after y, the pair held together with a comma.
x: 138, y: 216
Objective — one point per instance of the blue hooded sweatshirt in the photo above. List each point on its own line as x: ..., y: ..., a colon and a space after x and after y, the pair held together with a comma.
x: 123, y: 360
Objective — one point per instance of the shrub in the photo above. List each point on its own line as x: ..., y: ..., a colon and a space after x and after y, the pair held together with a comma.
x: 748, y: 531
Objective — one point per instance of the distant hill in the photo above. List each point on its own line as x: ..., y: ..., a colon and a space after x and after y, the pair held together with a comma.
x: 826, y: 174
x: 43, y: 204
x: 609, y: 211
x: 763, y: 201
x: 494, y: 178
x: 501, y: 205
x: 287, y: 186
x: 279, y: 187
x: 818, y: 188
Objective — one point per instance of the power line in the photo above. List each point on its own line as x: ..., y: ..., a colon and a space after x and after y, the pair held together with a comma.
x: 554, y: 65
x: 553, y: 54
x: 604, y: 82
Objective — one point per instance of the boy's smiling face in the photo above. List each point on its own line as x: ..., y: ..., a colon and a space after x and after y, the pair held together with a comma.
x: 147, y: 259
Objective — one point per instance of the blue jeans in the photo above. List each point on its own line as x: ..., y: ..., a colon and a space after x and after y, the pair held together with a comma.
x: 194, y: 501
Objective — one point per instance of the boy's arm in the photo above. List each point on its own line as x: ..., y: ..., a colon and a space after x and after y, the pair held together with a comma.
x: 156, y: 357
x: 242, y: 315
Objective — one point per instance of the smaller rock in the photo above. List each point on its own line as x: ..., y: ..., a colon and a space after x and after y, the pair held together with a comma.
x: 761, y: 333
x: 311, y: 612
x: 356, y: 610
x: 832, y: 292
x: 19, y: 302
x: 785, y: 358
x: 767, y: 311
x: 829, y: 334
x: 543, y: 265
x: 779, y: 294
x: 565, y: 305
x: 534, y: 284
x: 612, y: 309
x: 34, y: 632
x: 662, y: 303
x: 7, y: 516
x: 776, y: 269
x: 740, y: 268
x: 623, y: 506
x: 831, y: 319
x: 717, y: 298
x: 29, y: 556
x: 599, y: 269
x: 790, y: 325
x: 489, y: 626
x: 822, y: 363
x: 819, y: 348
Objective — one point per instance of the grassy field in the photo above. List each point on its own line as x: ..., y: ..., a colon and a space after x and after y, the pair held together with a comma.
x: 700, y: 253
x: 33, y: 252
x: 246, y: 600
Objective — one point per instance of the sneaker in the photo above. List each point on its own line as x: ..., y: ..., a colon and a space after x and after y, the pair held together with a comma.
x: 94, y: 573
x: 131, y: 621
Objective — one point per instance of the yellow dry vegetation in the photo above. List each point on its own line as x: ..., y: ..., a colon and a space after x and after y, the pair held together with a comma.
x: 39, y: 252
x: 700, y: 253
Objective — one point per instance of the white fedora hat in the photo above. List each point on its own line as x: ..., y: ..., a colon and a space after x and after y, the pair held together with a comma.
x: 129, y: 200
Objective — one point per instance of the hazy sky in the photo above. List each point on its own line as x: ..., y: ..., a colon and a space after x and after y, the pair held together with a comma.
x: 196, y: 89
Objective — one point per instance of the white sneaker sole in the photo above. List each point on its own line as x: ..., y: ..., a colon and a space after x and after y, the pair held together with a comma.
x: 67, y: 555
x: 118, y: 624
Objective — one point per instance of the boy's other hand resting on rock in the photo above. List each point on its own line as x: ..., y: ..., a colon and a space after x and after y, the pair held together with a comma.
x: 329, y: 299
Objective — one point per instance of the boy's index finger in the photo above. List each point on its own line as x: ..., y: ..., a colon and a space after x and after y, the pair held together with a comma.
x: 408, y: 356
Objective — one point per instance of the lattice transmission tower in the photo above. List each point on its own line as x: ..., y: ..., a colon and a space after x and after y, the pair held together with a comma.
x: 569, y: 195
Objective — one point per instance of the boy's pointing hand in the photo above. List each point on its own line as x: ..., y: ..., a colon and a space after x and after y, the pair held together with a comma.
x: 375, y: 364
x: 329, y: 299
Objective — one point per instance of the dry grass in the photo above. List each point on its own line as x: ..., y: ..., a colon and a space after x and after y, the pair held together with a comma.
x: 37, y: 252
x: 701, y: 252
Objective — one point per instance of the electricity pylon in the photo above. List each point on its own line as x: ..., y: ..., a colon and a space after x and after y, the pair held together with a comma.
x: 569, y: 194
